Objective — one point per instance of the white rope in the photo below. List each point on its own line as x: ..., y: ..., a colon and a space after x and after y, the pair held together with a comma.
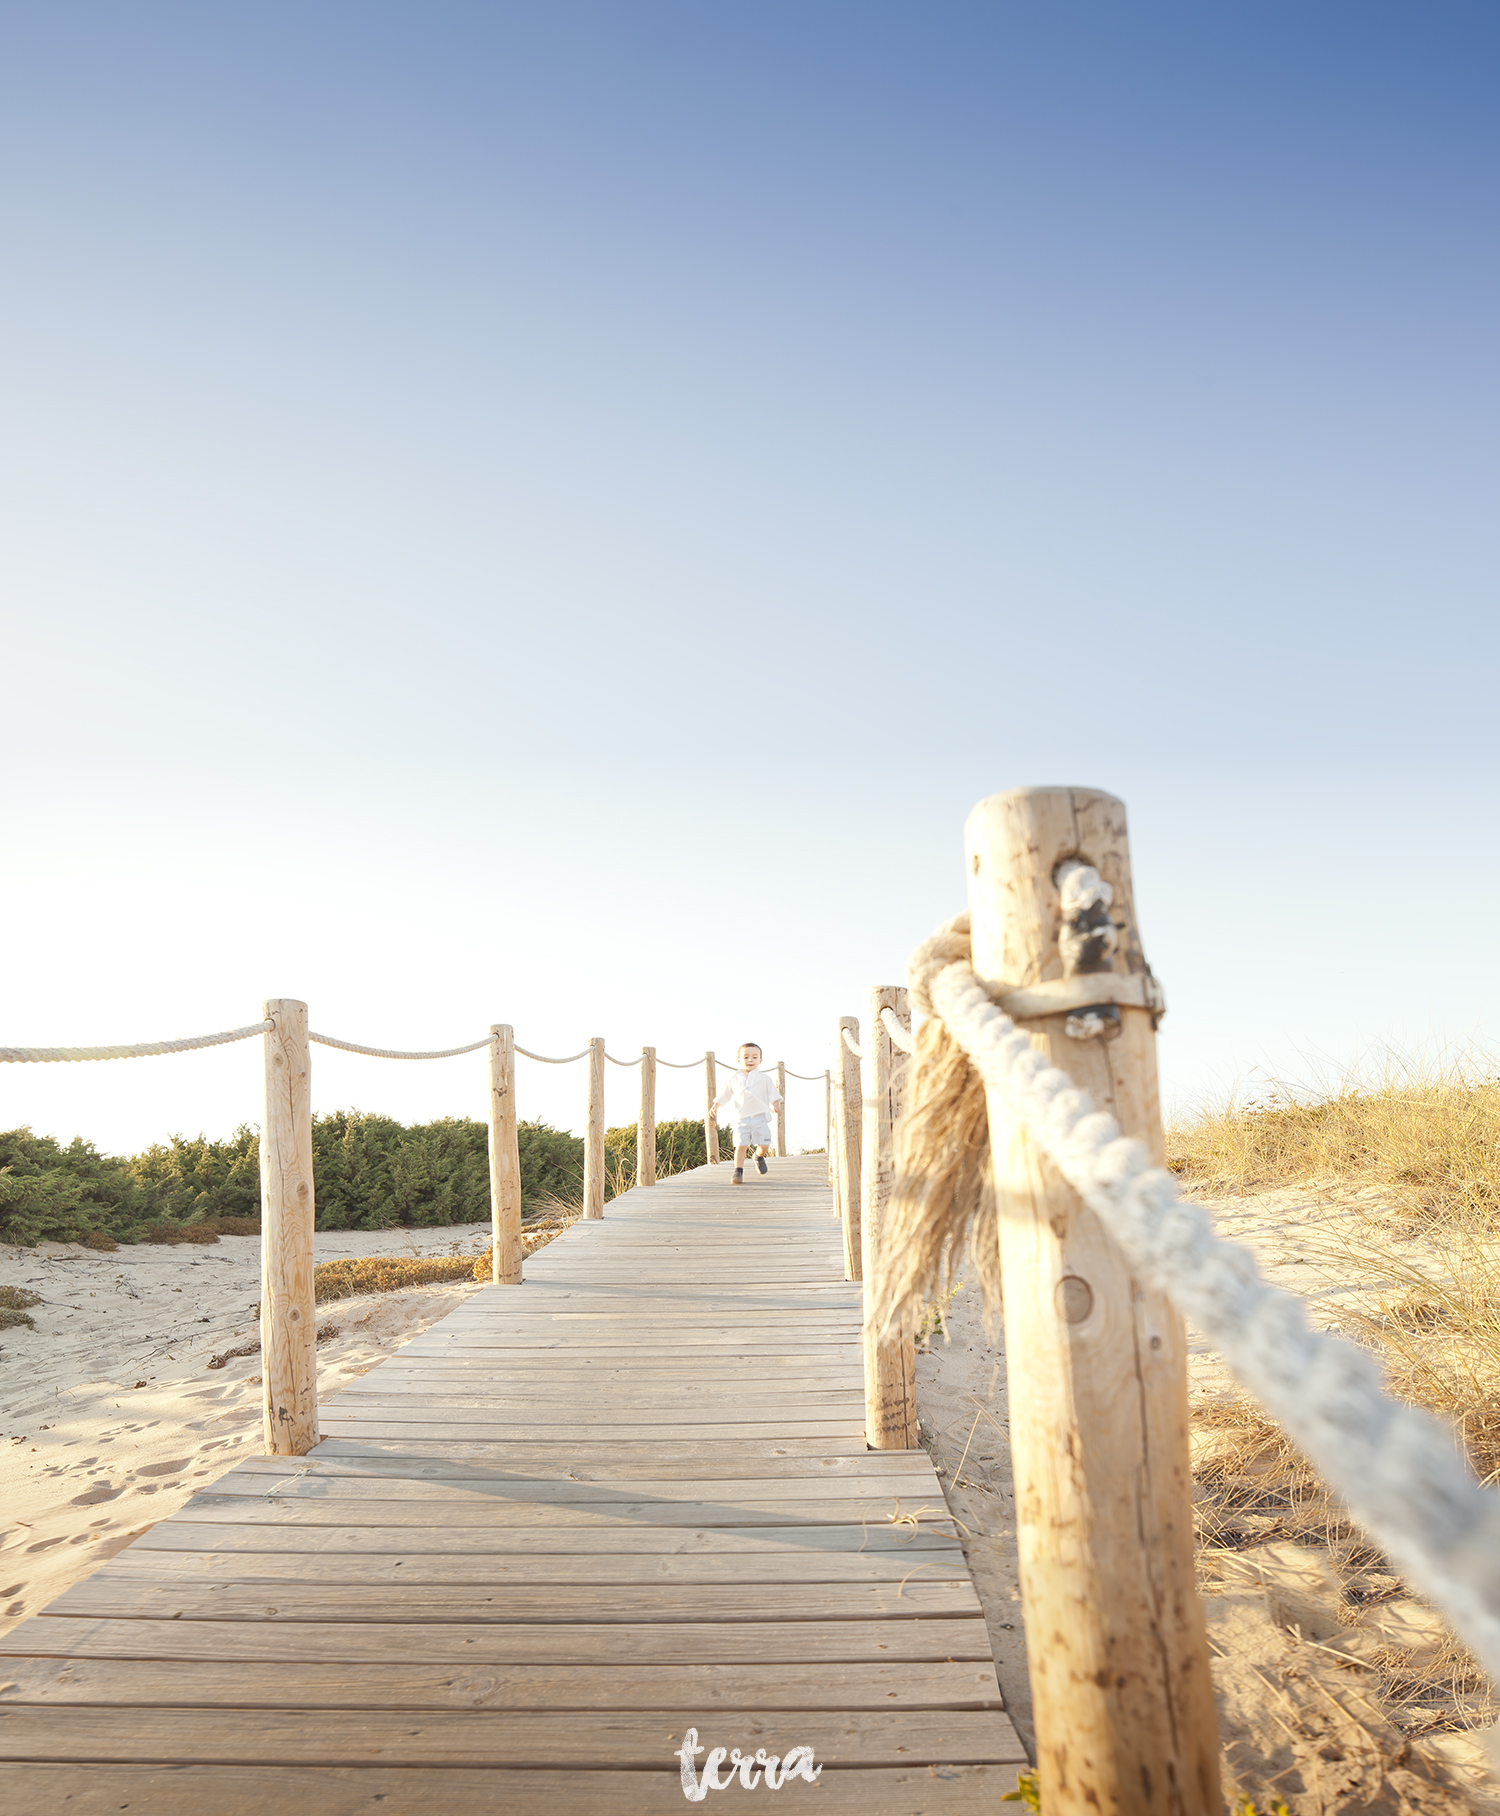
x: 349, y: 1046
x: 853, y: 1045
x: 145, y: 1050
x: 567, y: 1060
x: 1397, y: 1467
x: 684, y: 1065
x: 811, y: 1078
x: 901, y: 1038
x: 623, y: 1062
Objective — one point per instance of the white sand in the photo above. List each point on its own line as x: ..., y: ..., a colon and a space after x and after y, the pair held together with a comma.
x: 88, y: 1459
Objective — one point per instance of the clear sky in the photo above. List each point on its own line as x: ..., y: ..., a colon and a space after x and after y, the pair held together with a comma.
x: 555, y: 512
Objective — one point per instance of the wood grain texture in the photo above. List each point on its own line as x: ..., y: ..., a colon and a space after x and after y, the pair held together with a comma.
x: 1096, y: 1367
x: 288, y: 1325
x: 710, y: 1108
x: 848, y: 1116
x: 890, y: 1362
x: 253, y: 1789
x: 645, y: 1129
x: 553, y: 1533
x: 593, y: 1135
x: 507, y: 1253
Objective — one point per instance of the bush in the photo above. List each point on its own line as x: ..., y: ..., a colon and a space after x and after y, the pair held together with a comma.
x: 369, y: 1173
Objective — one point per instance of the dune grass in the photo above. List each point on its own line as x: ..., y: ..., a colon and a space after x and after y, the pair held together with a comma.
x: 1408, y: 1164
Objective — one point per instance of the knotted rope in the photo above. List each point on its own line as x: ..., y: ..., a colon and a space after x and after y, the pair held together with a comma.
x: 1397, y: 1468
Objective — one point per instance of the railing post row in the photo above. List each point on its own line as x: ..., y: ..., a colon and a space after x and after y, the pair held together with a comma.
x: 710, y: 1111
x: 288, y: 1315
x: 890, y: 1362
x: 848, y: 1115
x: 593, y: 1134
x: 1096, y: 1364
x: 506, y: 1251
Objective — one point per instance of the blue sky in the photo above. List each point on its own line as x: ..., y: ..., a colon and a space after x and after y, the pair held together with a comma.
x: 555, y: 514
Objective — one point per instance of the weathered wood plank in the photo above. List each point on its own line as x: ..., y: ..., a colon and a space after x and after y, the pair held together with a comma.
x: 130, y: 1595
x: 252, y: 1790
x: 534, y: 1739
x: 167, y: 1684
x: 707, y: 1642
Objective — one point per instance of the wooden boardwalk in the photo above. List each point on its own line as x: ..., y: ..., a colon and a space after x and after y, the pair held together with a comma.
x: 568, y: 1523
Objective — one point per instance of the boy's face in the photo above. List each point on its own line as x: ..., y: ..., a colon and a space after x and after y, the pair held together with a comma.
x: 749, y: 1058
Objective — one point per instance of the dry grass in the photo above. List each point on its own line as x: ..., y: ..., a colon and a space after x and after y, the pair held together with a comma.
x: 1412, y: 1161
x: 1426, y: 1137
x: 552, y: 1217
x: 386, y: 1274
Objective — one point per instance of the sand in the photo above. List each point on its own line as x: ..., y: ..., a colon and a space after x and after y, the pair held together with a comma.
x: 111, y: 1415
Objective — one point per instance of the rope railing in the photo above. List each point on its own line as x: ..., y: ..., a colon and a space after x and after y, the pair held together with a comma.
x: 1395, y: 1466
x: 901, y: 1036
x: 149, y: 1049
x: 566, y: 1060
x: 349, y: 1046
x: 853, y: 1045
x: 625, y: 1062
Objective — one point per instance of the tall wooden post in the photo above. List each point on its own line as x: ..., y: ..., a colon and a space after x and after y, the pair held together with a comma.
x: 506, y: 1250
x: 890, y: 1362
x: 288, y: 1326
x: 593, y: 1134
x: 645, y: 1128
x: 710, y: 1110
x: 848, y: 1116
x: 781, y: 1106
x: 1097, y: 1365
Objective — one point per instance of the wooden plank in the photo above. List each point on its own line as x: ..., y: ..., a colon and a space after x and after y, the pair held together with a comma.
x: 131, y: 1683
x: 440, y: 1496
x: 250, y: 1790
x: 184, y: 1535
x: 126, y: 1595
x: 707, y: 1642
x: 673, y: 1569
x: 539, y: 1740
x: 539, y: 1512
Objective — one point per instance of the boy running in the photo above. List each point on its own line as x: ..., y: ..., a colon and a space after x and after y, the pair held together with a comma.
x: 755, y: 1097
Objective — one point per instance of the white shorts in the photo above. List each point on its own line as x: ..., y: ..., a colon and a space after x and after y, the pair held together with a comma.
x: 753, y: 1132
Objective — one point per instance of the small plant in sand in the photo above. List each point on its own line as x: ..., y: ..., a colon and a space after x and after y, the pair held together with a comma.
x: 15, y: 1303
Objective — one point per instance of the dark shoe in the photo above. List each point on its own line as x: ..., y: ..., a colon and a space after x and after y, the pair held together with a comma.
x: 739, y: 1176
x: 760, y: 1163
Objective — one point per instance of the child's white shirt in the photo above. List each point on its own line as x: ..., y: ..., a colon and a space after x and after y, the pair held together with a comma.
x: 753, y: 1093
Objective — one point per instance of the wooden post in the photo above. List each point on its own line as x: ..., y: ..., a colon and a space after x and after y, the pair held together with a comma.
x: 781, y: 1107
x: 1097, y: 1365
x: 890, y: 1364
x: 828, y: 1134
x: 710, y: 1110
x: 506, y: 1250
x: 645, y: 1128
x: 593, y: 1134
x: 288, y: 1325
x: 848, y: 1115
